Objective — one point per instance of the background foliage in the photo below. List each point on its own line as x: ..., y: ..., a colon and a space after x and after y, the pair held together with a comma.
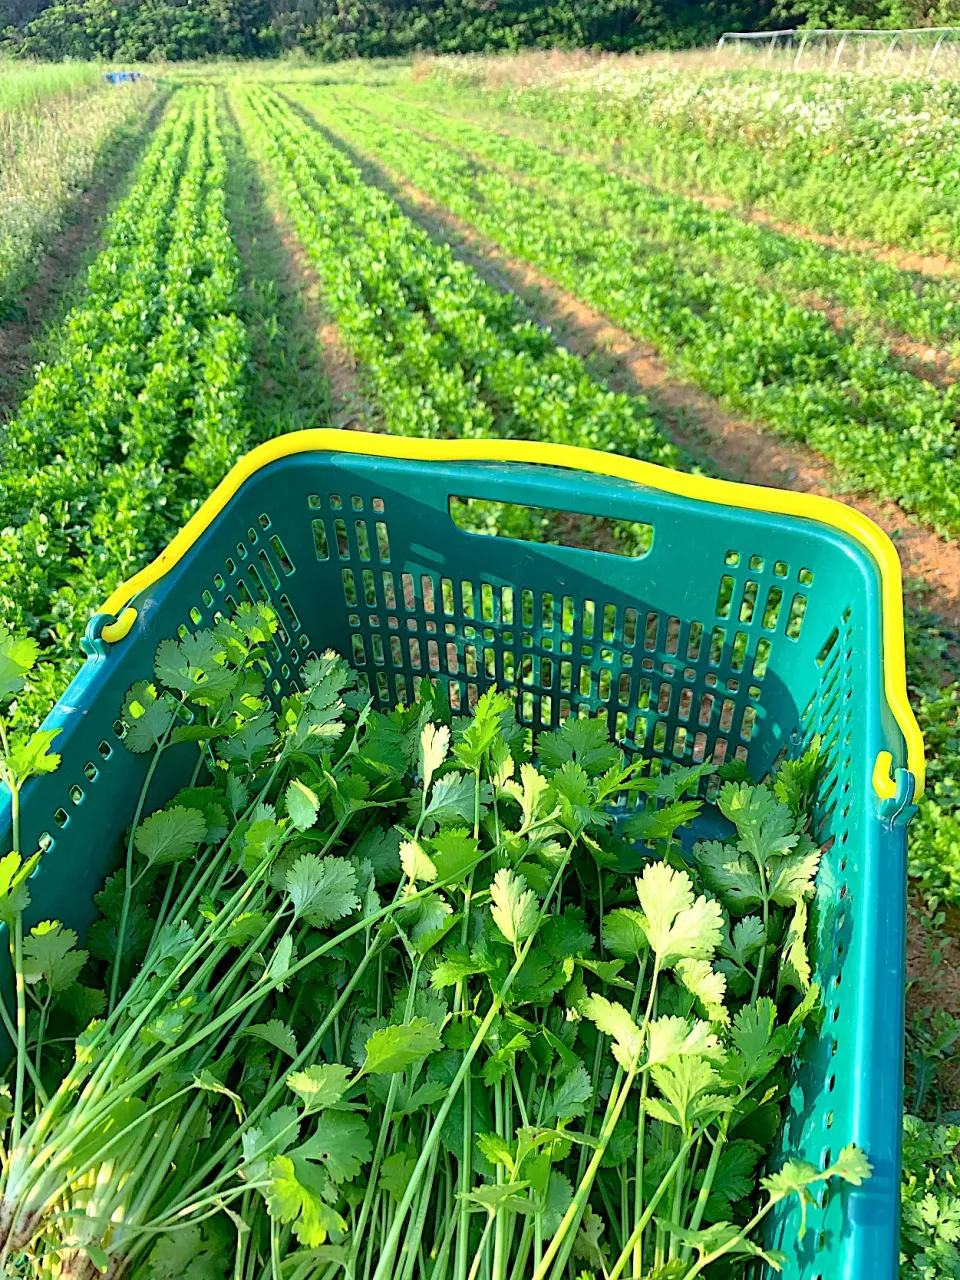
x: 142, y: 30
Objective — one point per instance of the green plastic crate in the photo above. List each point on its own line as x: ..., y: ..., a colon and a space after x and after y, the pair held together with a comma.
x: 755, y: 619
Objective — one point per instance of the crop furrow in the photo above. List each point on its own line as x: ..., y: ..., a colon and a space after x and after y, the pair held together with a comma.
x: 448, y: 354
x: 715, y: 239
x: 883, y: 429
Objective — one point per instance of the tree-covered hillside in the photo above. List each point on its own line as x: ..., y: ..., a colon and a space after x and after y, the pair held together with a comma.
x: 176, y: 29
x: 332, y: 29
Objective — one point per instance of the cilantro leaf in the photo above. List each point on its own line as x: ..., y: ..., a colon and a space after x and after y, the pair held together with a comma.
x: 529, y: 793
x: 147, y: 716
x: 569, y: 1099
x: 758, y: 1042
x: 31, y: 757
x: 381, y: 848
x: 18, y: 654
x: 302, y: 805
x: 416, y: 864
x: 276, y: 1033
x: 83, y: 1003
x: 579, y: 741
x: 556, y: 1202
x: 289, y: 1200
x: 730, y: 874
x: 792, y: 875
x: 661, y: 824
x: 624, y: 933
x: 851, y: 1165
x: 275, y: 1134
x: 515, y: 909
x: 394, y: 1048
x: 244, y: 928
x: 322, y: 889
x: 707, y: 986
x: 434, y: 744
x: 566, y: 935
x: 455, y: 967
x: 170, y: 835
x: 251, y: 742
x: 796, y: 780
x: 671, y: 1035
x: 794, y: 961
x: 340, y: 1142
x: 194, y: 666
x: 14, y: 894
x: 454, y: 853
x: 453, y: 799
x: 395, y: 1174
x: 48, y: 954
x: 320, y: 1086
x: 677, y: 927
x: 614, y: 1021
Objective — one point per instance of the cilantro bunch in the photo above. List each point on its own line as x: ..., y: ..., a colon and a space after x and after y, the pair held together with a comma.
x: 406, y: 995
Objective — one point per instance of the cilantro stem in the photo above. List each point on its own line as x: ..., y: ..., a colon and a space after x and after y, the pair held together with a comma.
x: 563, y: 1239
x: 641, y: 1224
x: 742, y: 1234
x: 21, y: 1027
x: 128, y: 872
x: 707, y: 1185
x: 13, y: 784
x: 385, y: 1267
x: 31, y: 1069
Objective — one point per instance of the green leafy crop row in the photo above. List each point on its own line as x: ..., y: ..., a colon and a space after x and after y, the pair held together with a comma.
x: 447, y: 354
x: 140, y: 413
x: 883, y: 429
x: 871, y: 156
x: 924, y: 308
x: 54, y: 145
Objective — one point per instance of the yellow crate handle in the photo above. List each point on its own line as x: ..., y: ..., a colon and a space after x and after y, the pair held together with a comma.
x: 722, y: 492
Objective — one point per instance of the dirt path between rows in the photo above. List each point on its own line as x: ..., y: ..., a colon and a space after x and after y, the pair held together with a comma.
x: 58, y: 270
x: 916, y: 261
x: 347, y: 404
x: 939, y: 366
x: 926, y: 264
x: 729, y: 446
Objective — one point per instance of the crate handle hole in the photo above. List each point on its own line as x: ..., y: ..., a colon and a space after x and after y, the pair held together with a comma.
x: 551, y: 526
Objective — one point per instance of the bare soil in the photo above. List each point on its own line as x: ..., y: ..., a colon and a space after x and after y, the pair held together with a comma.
x: 925, y: 264
x: 729, y: 446
x: 933, y: 982
x: 349, y: 406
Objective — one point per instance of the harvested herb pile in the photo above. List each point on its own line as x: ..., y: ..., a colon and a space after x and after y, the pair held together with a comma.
x: 394, y: 996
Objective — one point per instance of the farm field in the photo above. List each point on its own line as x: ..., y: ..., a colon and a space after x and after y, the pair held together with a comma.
x: 749, y: 273
x: 60, y: 128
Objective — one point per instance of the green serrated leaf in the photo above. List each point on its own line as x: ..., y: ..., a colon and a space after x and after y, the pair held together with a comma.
x: 396, y: 1047
x: 321, y: 1085
x: 170, y: 835
x: 276, y: 1033
x: 49, y: 955
x: 515, y: 910
x: 301, y: 804
x: 416, y: 864
x: 340, y: 1142
x: 322, y: 889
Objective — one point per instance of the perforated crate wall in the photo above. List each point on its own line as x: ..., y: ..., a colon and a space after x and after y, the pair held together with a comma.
x: 736, y: 634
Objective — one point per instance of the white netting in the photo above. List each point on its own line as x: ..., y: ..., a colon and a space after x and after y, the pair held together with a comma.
x: 935, y: 50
